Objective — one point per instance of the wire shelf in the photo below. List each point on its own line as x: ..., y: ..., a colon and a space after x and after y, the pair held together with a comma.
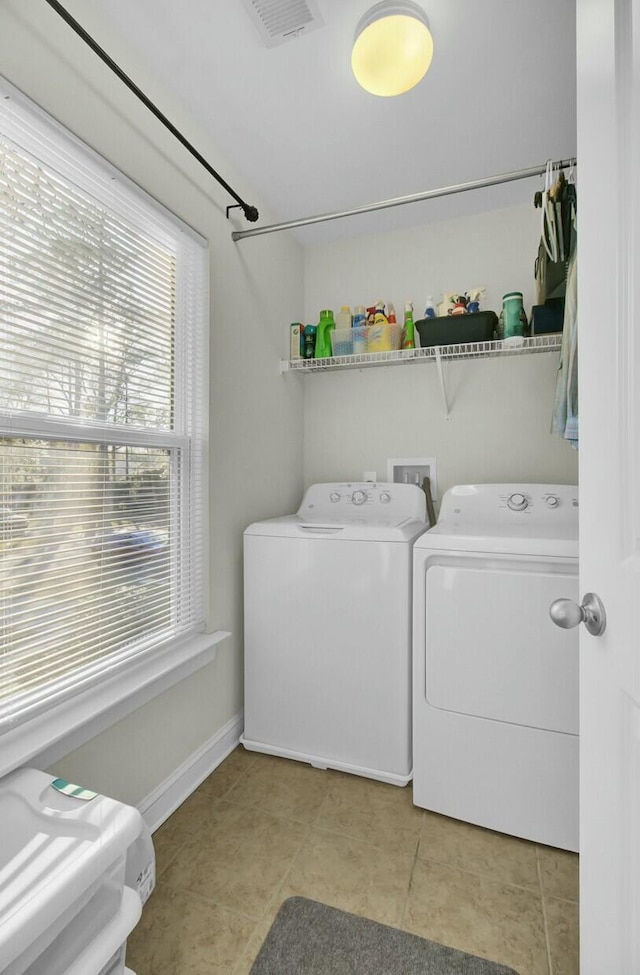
x: 434, y: 353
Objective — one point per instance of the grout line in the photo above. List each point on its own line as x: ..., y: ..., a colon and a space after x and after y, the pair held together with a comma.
x: 259, y: 807
x: 544, y: 912
x: 360, y: 838
x: 209, y: 901
x: 256, y: 921
x: 491, y: 877
x: 239, y: 775
x: 403, y: 912
x: 274, y: 900
x: 563, y: 900
x: 160, y: 873
x: 234, y: 782
x: 315, y: 819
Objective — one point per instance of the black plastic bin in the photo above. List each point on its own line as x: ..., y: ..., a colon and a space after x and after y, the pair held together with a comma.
x: 479, y: 326
x: 548, y: 317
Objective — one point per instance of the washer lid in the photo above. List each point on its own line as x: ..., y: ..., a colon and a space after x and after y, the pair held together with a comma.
x: 349, y: 529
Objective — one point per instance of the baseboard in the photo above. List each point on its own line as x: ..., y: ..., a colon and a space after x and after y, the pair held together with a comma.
x: 165, y: 799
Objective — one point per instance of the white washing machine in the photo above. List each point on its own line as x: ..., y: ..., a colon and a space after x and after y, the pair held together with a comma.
x: 328, y: 629
x: 495, y: 707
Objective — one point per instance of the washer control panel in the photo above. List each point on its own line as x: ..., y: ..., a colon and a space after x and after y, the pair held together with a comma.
x: 369, y: 500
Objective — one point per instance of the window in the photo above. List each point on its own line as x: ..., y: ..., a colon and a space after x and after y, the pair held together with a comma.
x: 103, y: 310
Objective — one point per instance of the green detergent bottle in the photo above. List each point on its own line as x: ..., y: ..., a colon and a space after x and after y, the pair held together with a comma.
x: 408, y: 332
x: 323, y: 334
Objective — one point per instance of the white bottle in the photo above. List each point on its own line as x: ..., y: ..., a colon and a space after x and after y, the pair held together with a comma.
x: 429, y: 308
x: 343, y: 318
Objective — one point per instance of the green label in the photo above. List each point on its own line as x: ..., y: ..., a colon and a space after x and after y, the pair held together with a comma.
x: 76, y: 791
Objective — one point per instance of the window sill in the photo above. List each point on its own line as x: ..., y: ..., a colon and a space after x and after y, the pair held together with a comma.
x: 59, y: 731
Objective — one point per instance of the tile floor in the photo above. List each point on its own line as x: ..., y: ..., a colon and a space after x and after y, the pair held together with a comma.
x: 261, y: 829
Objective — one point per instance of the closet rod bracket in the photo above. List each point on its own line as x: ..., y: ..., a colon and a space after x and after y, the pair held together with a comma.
x: 443, y: 385
x: 250, y: 212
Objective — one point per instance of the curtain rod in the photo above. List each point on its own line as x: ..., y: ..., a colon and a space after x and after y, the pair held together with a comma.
x: 401, y: 200
x: 250, y: 212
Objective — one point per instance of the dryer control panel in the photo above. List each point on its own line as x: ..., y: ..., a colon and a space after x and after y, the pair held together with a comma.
x: 370, y: 501
x: 511, y: 504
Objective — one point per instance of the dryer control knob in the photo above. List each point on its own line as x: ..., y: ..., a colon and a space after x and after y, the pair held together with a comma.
x: 551, y: 501
x: 517, y: 502
x: 358, y: 497
x: 385, y: 498
x: 334, y: 496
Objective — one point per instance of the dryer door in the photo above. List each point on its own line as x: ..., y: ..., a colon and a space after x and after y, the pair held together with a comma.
x: 491, y: 648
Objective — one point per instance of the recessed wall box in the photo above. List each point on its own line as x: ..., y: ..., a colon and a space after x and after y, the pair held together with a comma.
x: 413, y: 470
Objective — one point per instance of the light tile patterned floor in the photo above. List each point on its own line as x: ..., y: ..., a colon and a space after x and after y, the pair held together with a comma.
x: 261, y: 829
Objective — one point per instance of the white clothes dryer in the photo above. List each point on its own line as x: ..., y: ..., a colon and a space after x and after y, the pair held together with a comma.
x: 328, y: 629
x: 495, y: 682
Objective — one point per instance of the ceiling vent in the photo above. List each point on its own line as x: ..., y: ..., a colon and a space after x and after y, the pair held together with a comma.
x: 278, y: 21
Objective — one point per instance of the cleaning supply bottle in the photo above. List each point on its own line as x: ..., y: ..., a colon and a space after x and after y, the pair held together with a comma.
x: 392, y: 315
x: 309, y: 342
x: 408, y: 332
x: 380, y: 318
x: 359, y: 330
x: 430, y: 308
x: 474, y: 296
x: 343, y: 318
x: 513, y: 315
x: 359, y: 316
x: 323, y: 334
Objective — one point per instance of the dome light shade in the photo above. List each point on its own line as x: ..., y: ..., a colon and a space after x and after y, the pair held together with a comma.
x: 393, y: 48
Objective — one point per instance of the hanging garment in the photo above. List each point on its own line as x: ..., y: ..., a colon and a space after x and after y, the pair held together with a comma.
x: 558, y: 205
x: 564, y: 422
x: 551, y: 276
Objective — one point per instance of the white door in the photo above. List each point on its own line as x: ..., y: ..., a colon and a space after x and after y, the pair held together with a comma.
x: 609, y: 321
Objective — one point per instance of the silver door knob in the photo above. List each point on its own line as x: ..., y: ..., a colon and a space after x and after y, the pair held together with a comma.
x: 567, y: 614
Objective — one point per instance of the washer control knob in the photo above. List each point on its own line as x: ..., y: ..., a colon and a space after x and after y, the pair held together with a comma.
x: 334, y: 496
x: 517, y: 502
x: 358, y: 497
x: 385, y: 497
x: 551, y: 501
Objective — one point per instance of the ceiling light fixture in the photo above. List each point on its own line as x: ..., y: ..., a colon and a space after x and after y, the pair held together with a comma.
x: 393, y: 47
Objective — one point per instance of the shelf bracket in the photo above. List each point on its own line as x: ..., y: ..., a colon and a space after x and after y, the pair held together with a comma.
x: 443, y: 387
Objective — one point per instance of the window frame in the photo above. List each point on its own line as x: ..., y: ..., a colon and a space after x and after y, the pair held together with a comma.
x: 131, y: 682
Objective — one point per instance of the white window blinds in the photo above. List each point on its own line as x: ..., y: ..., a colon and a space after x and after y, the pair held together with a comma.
x: 103, y: 310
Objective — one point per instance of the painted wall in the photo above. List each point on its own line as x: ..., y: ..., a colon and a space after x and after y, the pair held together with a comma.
x: 271, y: 434
x: 255, y: 432
x: 498, y: 428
